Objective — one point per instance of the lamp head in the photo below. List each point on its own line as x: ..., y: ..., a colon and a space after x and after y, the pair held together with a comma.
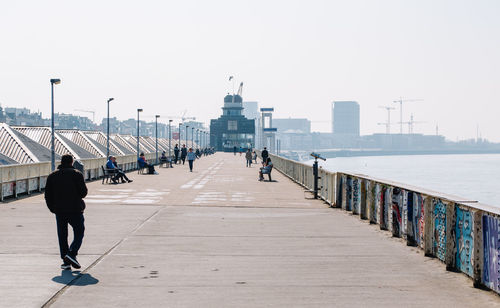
x: 170, y: 121
x: 55, y: 81
x: 110, y: 99
x: 139, y: 110
x: 157, y: 116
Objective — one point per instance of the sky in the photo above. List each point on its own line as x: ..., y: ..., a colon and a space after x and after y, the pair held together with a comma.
x: 296, y: 56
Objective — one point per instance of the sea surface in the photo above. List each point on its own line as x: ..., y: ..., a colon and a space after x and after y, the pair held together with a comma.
x: 472, y: 177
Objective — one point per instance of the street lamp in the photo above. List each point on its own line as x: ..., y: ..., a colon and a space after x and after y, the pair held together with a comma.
x: 192, y: 137
x: 180, y: 134
x: 138, y: 111
x: 197, y: 138
x: 187, y: 136
x: 107, y: 143
x: 156, y: 134
x: 169, y: 138
x: 52, y: 146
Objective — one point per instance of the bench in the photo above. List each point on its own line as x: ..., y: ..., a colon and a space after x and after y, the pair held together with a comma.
x: 107, y: 174
x: 268, y: 173
x: 167, y: 161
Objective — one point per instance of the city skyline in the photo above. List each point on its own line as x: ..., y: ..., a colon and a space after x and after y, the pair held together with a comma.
x: 296, y: 57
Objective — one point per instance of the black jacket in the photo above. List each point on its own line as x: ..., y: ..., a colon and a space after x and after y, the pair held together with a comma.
x: 264, y: 154
x: 65, y: 190
x: 184, y: 151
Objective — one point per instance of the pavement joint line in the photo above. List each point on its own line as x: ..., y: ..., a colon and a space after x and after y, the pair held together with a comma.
x: 54, y: 297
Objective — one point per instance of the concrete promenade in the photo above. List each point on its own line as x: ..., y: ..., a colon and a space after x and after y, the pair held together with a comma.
x: 218, y: 238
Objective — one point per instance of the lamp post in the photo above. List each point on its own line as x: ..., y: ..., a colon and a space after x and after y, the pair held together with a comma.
x: 180, y: 134
x: 107, y: 131
x: 156, y: 135
x: 52, y: 146
x: 138, y: 111
x: 192, y: 137
x: 187, y: 136
x: 169, y: 138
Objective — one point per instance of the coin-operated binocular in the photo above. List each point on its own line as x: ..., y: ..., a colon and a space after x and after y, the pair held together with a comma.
x: 316, y: 173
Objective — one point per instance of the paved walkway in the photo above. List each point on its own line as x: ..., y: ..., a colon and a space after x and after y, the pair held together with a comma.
x: 218, y: 238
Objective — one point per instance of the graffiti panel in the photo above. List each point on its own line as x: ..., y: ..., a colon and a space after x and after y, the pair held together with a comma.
x: 418, y: 218
x: 21, y: 186
x: 385, y: 201
x: 404, y: 213
x: 465, y: 241
x: 339, y: 192
x: 356, y: 193
x: 491, y: 242
x: 396, y: 204
x: 8, y: 189
x: 349, y: 194
x: 410, y: 220
x: 439, y: 241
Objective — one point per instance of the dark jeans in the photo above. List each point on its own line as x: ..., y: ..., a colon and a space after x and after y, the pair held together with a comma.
x: 249, y: 163
x: 176, y: 158
x: 183, y: 158
x: 77, y: 222
x: 121, y: 175
x: 190, y: 165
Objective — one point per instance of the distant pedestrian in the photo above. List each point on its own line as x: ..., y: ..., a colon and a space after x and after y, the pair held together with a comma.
x: 254, y: 157
x: 176, y: 153
x: 191, y: 156
x: 264, y: 155
x: 234, y: 150
x: 248, y: 156
x: 241, y: 150
x: 183, y: 153
x: 64, y: 193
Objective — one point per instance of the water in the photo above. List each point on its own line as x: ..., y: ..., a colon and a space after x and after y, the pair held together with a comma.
x: 473, y: 177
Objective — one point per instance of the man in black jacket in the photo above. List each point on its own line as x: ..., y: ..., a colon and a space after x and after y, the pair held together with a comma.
x: 264, y: 155
x: 183, y: 153
x: 64, y: 193
x: 176, y: 154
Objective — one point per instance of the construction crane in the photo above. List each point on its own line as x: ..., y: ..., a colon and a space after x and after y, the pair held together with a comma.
x: 411, y: 123
x: 240, y: 89
x: 388, y: 123
x: 88, y: 111
x: 184, y: 118
x: 401, y: 101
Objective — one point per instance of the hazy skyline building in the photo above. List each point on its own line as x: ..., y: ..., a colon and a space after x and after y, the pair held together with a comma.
x: 293, y: 125
x: 345, y: 118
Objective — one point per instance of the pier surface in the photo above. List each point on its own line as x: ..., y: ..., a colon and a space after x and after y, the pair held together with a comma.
x: 218, y: 238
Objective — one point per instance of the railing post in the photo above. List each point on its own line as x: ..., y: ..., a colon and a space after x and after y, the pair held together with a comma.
x: 364, y: 200
x: 451, y: 239
x: 478, y: 249
x: 428, y: 227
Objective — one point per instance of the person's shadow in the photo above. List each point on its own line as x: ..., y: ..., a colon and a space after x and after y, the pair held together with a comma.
x: 75, y: 278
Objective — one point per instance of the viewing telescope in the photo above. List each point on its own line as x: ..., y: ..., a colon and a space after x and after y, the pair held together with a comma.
x: 317, y: 156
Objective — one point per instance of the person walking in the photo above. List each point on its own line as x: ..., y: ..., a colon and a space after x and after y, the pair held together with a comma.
x: 234, y: 150
x: 191, y: 156
x: 264, y: 155
x: 176, y: 153
x: 254, y: 157
x: 248, y: 156
x: 183, y: 153
x: 64, y: 192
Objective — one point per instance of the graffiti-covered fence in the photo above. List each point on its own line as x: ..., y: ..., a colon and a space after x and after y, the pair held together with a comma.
x: 463, y: 234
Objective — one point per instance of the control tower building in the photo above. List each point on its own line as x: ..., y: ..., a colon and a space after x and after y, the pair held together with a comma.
x: 232, y: 129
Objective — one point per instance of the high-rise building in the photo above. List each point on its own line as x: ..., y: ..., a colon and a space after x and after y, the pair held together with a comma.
x: 345, y: 118
x: 251, y: 112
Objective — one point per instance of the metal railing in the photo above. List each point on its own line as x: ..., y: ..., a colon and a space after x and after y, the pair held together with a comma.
x: 463, y: 234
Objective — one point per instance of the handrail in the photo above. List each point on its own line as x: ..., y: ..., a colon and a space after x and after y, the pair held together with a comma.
x: 463, y: 234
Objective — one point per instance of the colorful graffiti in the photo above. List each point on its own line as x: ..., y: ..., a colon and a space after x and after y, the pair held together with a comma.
x: 416, y: 219
x: 491, y: 241
x: 396, y: 204
x: 385, y: 193
x: 356, y: 192
x: 464, y: 240
x: 349, y: 194
x: 439, y: 241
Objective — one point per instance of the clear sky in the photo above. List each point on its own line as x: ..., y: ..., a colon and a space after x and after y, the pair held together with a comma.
x: 296, y: 56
